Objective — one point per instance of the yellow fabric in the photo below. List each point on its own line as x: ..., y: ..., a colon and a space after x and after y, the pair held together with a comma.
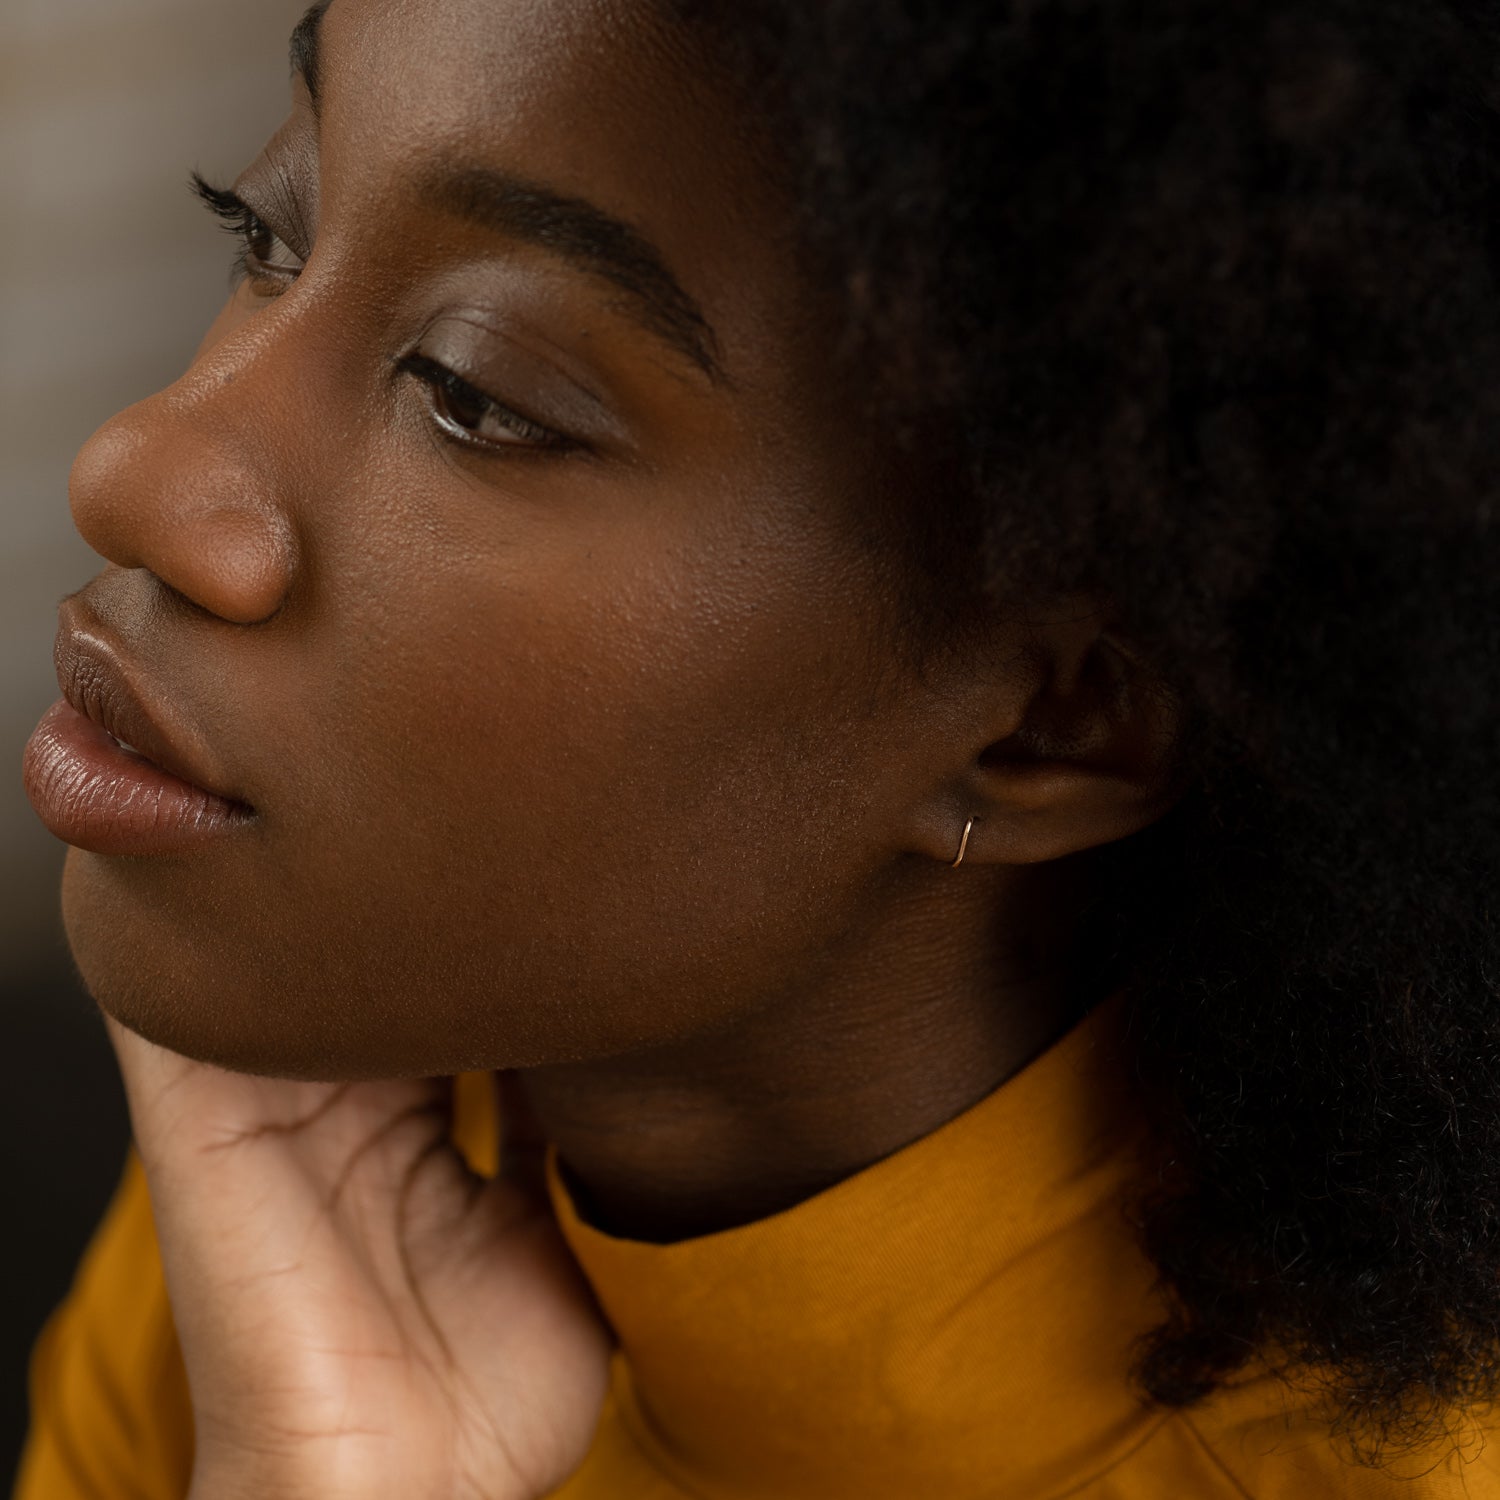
x: 952, y: 1323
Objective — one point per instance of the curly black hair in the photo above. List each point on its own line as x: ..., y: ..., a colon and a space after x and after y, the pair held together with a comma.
x: 1204, y: 293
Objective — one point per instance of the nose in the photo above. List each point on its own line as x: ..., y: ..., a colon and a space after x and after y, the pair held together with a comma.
x: 177, y: 484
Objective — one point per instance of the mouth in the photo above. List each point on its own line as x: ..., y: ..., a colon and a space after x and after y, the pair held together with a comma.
x: 102, y: 772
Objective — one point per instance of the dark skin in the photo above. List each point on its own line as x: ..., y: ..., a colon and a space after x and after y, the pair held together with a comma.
x: 592, y: 762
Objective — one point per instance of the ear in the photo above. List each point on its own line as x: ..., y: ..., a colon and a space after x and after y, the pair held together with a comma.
x: 1059, y: 739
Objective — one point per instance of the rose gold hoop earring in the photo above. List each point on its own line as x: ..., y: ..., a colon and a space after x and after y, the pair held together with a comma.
x: 963, y: 844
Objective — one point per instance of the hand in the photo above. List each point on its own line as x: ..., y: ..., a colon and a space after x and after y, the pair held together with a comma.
x: 360, y: 1316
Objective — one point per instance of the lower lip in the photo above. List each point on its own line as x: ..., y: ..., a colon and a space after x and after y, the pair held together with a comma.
x: 93, y: 793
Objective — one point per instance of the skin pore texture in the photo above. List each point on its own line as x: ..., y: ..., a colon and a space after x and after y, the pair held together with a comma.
x: 593, y: 760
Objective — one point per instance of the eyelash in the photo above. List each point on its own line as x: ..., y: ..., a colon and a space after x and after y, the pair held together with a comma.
x: 256, y: 238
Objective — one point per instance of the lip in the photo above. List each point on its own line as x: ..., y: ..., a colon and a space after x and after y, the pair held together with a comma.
x: 104, y: 775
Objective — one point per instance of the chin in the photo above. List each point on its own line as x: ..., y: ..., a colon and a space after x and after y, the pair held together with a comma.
x: 176, y: 973
x: 187, y: 956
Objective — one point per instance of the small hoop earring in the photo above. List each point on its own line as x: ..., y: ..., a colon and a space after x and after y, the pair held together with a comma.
x: 963, y: 844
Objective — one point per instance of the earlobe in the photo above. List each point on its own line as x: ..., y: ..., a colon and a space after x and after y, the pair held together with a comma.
x: 1048, y: 812
x: 1072, y: 749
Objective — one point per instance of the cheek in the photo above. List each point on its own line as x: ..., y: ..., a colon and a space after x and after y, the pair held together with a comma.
x: 527, y: 811
x: 612, y: 783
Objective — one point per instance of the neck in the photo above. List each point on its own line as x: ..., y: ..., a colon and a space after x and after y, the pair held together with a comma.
x: 950, y: 995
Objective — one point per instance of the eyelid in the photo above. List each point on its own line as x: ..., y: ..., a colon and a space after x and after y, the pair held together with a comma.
x: 499, y: 348
x: 438, y: 376
x: 247, y: 226
x: 285, y: 209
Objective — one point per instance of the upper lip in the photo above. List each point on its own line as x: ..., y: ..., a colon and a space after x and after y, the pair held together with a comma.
x: 94, y: 680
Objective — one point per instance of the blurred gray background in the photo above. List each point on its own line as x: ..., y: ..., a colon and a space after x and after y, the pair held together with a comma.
x: 109, y: 274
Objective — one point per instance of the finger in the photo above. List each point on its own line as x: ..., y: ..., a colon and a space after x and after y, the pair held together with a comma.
x: 179, y: 1105
x: 153, y: 1078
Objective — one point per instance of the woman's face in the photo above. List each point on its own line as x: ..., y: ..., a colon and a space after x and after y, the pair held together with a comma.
x: 508, y: 563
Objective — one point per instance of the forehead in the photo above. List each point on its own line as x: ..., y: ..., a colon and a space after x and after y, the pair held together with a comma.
x: 471, y: 68
x: 610, y: 101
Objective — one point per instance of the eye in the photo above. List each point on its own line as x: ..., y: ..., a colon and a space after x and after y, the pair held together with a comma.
x: 470, y: 417
x: 264, y: 258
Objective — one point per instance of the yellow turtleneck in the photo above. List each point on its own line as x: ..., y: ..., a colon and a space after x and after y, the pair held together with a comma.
x: 951, y: 1323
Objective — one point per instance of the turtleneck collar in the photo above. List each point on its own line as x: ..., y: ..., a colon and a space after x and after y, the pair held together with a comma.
x: 953, y: 1320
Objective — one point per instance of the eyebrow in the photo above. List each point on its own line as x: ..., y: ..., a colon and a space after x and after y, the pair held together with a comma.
x: 586, y: 237
x: 570, y: 228
x: 304, y: 47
